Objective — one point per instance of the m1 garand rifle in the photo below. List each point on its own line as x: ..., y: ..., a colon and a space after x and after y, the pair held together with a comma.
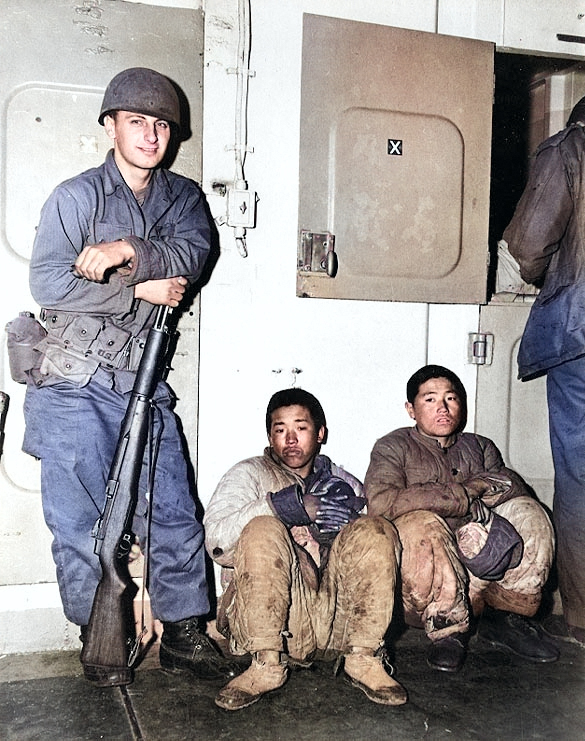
x: 107, y: 654
x: 4, y: 402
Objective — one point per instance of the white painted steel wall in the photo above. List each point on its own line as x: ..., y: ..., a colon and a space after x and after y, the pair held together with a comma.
x: 355, y: 356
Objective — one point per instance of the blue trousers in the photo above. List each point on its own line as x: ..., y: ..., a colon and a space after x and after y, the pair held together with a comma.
x: 566, y: 405
x: 74, y: 431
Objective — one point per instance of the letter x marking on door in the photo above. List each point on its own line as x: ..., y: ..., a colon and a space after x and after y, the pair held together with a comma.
x: 395, y: 146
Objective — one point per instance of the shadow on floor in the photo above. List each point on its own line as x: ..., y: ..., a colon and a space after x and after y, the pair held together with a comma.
x: 495, y: 696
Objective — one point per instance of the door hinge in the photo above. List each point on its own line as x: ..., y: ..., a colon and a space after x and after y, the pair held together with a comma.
x: 480, y: 348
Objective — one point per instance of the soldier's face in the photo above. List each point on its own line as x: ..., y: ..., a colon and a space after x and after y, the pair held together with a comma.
x: 294, y: 438
x: 140, y: 141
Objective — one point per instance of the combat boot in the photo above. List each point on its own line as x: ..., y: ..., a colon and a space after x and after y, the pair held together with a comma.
x: 184, y: 646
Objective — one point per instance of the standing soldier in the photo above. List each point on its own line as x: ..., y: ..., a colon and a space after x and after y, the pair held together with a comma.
x: 547, y: 238
x: 112, y: 245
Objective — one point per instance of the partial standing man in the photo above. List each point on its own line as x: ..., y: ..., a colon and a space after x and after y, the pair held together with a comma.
x: 474, y: 539
x: 547, y: 238
x: 112, y: 244
x: 306, y: 576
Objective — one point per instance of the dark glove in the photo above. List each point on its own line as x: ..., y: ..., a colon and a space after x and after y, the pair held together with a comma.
x: 336, y: 490
x: 332, y: 517
x: 338, y: 505
x: 288, y: 505
x: 502, y: 550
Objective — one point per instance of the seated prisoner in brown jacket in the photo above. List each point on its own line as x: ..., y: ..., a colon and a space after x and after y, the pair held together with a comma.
x: 475, y: 540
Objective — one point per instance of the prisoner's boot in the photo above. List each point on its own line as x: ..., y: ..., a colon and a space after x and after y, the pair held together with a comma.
x: 368, y: 673
x: 261, y: 677
x: 518, y: 634
x: 557, y: 627
x: 184, y: 646
x: 104, y: 676
x: 448, y: 654
x: 577, y: 634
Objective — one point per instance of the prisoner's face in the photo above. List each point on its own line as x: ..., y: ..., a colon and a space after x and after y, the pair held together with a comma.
x: 437, y: 408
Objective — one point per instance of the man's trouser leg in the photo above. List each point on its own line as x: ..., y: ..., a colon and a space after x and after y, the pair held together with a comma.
x: 434, y: 581
x: 566, y: 405
x: 356, y: 599
x: 178, y: 582
x: 71, y: 434
x: 357, y: 602
x: 271, y: 599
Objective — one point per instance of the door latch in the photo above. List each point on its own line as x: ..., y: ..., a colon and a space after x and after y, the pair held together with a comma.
x: 317, y: 253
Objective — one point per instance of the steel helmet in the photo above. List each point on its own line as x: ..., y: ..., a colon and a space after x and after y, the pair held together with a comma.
x: 142, y: 90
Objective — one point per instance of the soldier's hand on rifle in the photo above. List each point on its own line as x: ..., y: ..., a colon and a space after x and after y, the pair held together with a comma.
x: 163, y: 292
x: 96, y: 259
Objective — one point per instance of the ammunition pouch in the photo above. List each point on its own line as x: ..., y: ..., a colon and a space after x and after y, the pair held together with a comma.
x: 23, y: 335
x: 93, y: 340
x: 73, y: 346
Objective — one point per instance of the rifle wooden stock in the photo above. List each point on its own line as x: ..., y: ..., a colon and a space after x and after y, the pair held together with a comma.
x: 105, y: 642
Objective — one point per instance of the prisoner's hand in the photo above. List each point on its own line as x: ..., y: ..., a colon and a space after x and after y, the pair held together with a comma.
x: 163, y: 292
x: 96, y: 259
x: 302, y: 536
x: 475, y: 488
x: 333, y: 504
x: 480, y: 512
x: 332, y: 516
x: 486, y: 485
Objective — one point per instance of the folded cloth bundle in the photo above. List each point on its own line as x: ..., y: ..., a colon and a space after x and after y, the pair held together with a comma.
x: 489, y: 549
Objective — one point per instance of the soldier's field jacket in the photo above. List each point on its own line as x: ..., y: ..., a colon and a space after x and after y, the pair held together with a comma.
x: 91, y: 324
x: 547, y: 238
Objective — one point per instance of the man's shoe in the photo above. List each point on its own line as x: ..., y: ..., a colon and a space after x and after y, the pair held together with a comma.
x: 248, y: 688
x: 184, y: 646
x: 448, y: 654
x: 577, y: 634
x: 368, y: 674
x: 518, y: 634
x: 557, y: 627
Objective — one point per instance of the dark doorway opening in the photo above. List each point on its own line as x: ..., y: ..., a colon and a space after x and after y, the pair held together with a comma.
x: 512, y: 139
